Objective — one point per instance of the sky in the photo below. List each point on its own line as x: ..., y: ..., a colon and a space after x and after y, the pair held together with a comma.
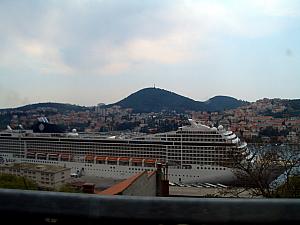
x: 92, y: 51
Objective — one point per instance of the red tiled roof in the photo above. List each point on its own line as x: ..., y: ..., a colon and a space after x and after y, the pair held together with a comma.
x: 150, y: 174
x: 122, y: 186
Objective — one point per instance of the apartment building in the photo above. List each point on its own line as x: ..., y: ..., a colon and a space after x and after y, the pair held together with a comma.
x: 45, y: 176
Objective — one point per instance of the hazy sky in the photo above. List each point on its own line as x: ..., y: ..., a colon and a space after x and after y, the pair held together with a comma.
x: 86, y: 52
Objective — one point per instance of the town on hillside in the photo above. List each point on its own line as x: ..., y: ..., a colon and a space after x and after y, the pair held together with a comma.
x: 264, y: 121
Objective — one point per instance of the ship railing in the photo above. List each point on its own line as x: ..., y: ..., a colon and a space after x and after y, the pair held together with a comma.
x: 69, y: 208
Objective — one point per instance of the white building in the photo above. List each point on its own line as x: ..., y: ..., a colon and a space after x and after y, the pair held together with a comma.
x: 45, y: 176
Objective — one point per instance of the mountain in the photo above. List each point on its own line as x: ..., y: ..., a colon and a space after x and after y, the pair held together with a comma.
x: 146, y: 100
x: 221, y: 103
x: 156, y: 100
x: 59, y: 107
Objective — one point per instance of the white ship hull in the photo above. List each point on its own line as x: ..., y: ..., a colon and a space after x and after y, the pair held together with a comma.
x: 194, y: 153
x: 196, y: 174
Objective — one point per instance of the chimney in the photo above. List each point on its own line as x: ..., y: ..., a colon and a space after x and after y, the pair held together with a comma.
x: 162, y: 183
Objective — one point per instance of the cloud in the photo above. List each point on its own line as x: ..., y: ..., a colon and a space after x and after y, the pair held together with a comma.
x: 277, y: 8
x: 9, y: 98
x: 112, y: 37
x: 167, y: 50
x: 114, y: 68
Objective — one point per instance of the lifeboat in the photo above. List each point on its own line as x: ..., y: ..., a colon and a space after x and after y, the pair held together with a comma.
x: 101, y: 158
x: 30, y: 155
x: 53, y: 156
x: 112, y: 160
x: 40, y: 155
x: 137, y: 160
x: 89, y: 158
x: 124, y: 161
x: 150, y: 162
x: 65, y: 157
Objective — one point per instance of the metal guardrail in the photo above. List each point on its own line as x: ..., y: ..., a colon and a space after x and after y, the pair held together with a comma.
x: 38, y: 207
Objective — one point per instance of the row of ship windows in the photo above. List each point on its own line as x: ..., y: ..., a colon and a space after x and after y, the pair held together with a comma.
x: 38, y: 161
x: 80, y: 150
x: 170, y: 158
x: 142, y: 152
x: 79, y: 145
x: 192, y: 147
x: 206, y: 163
x: 140, y: 169
x: 117, y: 171
x: 197, y: 156
x: 129, y: 148
x: 194, y: 139
x: 198, y: 153
x: 174, y: 149
x: 210, y: 168
x: 87, y: 145
x: 195, y: 132
x: 101, y: 147
x: 170, y: 154
x: 113, y: 167
x: 108, y: 153
x: 46, y: 148
x: 197, y: 135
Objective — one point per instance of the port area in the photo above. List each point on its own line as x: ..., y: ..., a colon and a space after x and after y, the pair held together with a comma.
x: 202, y: 192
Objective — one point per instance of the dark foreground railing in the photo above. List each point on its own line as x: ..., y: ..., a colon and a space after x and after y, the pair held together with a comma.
x: 35, y: 207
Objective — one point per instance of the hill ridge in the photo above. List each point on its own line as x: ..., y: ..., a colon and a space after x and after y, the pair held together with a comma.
x: 156, y: 99
x: 150, y: 99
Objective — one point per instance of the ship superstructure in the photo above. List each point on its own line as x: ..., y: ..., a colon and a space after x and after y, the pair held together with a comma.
x: 194, y: 153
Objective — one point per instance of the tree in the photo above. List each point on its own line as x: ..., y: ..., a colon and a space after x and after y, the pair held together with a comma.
x: 291, y: 189
x: 258, y: 169
x: 16, y: 182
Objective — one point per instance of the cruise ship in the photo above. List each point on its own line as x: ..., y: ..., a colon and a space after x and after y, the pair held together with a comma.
x: 194, y: 153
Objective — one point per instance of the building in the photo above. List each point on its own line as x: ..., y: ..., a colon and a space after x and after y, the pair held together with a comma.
x: 293, y: 137
x: 45, y: 176
x: 146, y: 183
